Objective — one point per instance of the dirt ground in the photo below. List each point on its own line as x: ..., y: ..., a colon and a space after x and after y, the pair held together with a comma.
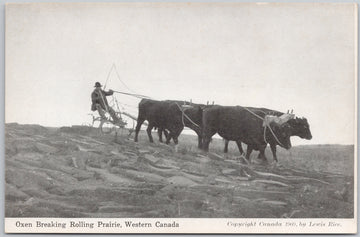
x: 78, y: 172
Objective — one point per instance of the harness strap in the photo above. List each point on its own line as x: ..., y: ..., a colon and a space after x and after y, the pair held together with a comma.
x: 184, y: 115
x: 266, y: 125
x: 272, y: 134
x: 265, y: 134
x: 253, y: 113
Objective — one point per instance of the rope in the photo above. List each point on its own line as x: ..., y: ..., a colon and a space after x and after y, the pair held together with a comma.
x: 275, y: 136
x: 184, y: 115
x: 127, y: 105
x: 265, y: 134
x: 131, y: 94
x: 113, y: 65
x: 253, y: 113
x: 266, y: 125
x: 118, y: 76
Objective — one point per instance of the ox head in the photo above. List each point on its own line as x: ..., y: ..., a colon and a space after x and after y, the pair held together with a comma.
x: 283, y: 133
x: 300, y: 128
x: 194, y: 113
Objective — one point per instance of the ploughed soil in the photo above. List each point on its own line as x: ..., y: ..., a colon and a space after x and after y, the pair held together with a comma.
x: 79, y: 172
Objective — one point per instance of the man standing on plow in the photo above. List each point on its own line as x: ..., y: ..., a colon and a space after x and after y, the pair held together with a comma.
x: 99, y: 103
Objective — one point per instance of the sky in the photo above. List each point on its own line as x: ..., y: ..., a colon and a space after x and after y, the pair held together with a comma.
x: 279, y: 56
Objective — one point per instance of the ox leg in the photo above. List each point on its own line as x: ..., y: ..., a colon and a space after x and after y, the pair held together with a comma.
x: 160, y: 131
x: 226, y: 146
x: 168, y: 139
x: 199, y: 139
x: 176, y: 134
x: 166, y: 133
x: 273, y: 150
x: 176, y: 141
x: 148, y: 130
x: 137, y: 129
x: 261, y: 155
x: 249, y: 149
x: 238, y: 143
x: 206, y: 142
x: 207, y: 139
x: 169, y: 136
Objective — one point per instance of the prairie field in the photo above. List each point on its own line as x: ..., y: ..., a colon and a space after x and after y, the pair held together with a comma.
x: 79, y: 172
x: 329, y: 158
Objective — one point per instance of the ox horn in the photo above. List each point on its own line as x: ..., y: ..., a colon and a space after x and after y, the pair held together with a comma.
x: 287, y: 111
x: 292, y: 111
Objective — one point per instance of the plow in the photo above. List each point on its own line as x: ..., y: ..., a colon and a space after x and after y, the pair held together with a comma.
x: 106, y: 124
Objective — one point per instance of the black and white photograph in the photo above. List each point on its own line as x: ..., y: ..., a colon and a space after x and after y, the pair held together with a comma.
x: 181, y: 117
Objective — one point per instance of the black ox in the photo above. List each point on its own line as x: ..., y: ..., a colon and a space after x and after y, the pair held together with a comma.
x: 245, y: 124
x: 169, y: 115
x: 299, y: 127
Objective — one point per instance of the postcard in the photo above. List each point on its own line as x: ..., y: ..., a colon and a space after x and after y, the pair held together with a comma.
x: 181, y: 117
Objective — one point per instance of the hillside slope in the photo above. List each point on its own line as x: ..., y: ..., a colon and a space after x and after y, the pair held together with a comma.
x: 77, y: 172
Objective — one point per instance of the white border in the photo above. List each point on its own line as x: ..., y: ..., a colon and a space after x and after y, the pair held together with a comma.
x: 186, y: 225
x: 181, y: 225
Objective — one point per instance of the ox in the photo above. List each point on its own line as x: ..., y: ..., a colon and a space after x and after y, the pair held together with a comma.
x: 152, y: 111
x: 180, y: 116
x: 299, y: 127
x: 245, y: 124
x: 169, y: 115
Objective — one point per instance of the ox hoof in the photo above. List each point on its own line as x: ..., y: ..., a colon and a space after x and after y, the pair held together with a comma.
x: 243, y: 160
x: 274, y: 163
x: 261, y: 162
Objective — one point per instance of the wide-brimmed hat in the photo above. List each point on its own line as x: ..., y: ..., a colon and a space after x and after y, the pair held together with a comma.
x: 97, y: 84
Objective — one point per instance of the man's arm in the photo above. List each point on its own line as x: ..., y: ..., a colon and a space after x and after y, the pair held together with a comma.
x: 110, y: 92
